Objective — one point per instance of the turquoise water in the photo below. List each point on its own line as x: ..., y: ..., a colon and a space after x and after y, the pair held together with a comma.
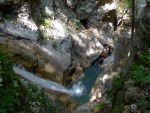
x: 79, y: 89
x: 85, y: 84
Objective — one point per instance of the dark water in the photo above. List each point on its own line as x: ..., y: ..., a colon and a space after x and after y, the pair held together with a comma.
x: 90, y: 75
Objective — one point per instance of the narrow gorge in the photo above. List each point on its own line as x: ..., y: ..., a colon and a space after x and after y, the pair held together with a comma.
x: 73, y: 50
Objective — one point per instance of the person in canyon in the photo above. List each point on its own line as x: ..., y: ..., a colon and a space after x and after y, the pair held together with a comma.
x: 107, y: 50
x: 101, y: 59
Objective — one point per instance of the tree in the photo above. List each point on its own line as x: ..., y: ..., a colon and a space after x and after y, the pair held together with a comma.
x: 133, y: 19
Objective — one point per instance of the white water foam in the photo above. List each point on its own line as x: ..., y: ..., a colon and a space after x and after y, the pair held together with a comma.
x: 77, y: 89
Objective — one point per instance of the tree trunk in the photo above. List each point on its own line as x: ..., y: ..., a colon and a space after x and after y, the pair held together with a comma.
x: 148, y: 3
x: 133, y: 19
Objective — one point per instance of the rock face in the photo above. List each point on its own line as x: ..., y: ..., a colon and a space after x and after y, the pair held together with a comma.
x: 54, y: 37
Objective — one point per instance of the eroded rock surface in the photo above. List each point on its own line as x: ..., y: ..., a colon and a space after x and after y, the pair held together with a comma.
x: 55, y: 41
x: 66, y: 39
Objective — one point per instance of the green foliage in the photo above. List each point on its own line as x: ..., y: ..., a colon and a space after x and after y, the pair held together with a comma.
x: 118, y: 81
x: 85, y: 6
x: 82, y: 7
x: 100, y: 106
x: 41, y: 36
x: 33, y: 2
x: 116, y: 93
x: 147, y: 111
x: 44, y: 14
x: 1, y: 17
x: 117, y: 84
x: 15, y: 97
x: 143, y: 102
x: 4, y: 17
x: 76, y: 20
x: 144, y: 59
x: 140, y: 70
x: 47, y: 23
x: 128, y: 3
x: 141, y: 75
x: 9, y: 17
x: 143, y: 27
x: 118, y: 103
x: 77, y: 24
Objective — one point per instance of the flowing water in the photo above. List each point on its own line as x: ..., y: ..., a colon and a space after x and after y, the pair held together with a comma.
x: 78, y: 90
x: 41, y: 82
x: 90, y: 75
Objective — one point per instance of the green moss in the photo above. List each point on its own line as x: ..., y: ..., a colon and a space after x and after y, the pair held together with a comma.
x: 47, y: 23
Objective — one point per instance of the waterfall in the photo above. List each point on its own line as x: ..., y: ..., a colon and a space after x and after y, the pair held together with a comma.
x: 76, y: 89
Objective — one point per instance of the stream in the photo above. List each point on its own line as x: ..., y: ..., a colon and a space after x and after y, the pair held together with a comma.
x: 90, y: 75
x: 78, y: 90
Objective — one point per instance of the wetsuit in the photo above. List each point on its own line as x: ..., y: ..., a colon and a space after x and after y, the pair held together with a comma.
x: 101, y: 61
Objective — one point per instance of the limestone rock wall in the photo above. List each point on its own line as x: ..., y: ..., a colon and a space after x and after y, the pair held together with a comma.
x: 56, y: 33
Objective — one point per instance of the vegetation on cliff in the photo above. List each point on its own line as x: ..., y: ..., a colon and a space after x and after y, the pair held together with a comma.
x: 22, y: 97
x: 130, y: 89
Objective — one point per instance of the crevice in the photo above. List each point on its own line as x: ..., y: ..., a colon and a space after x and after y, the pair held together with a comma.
x: 84, y: 22
x: 107, y: 51
x: 67, y: 74
x: 35, y: 64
